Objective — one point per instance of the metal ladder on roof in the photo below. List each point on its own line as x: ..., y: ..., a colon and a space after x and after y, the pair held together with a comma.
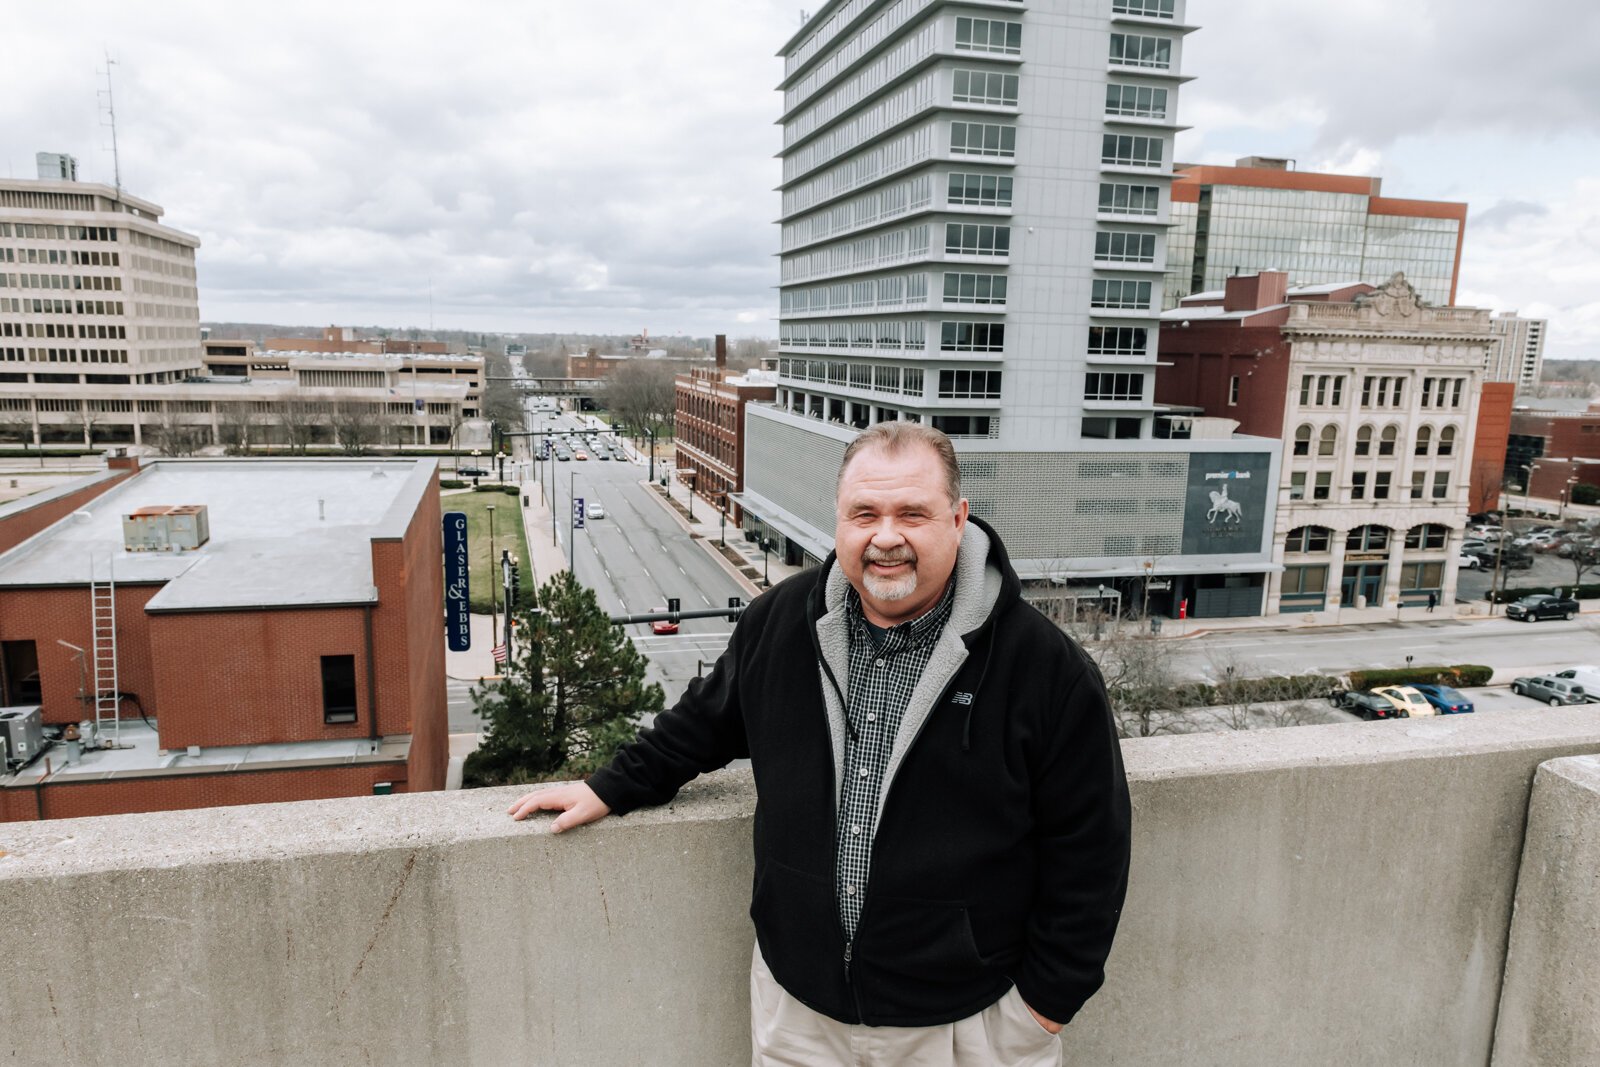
x: 103, y: 620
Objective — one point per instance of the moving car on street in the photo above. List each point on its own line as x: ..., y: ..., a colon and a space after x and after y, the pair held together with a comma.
x: 1541, y: 606
x: 1445, y: 701
x: 596, y: 510
x: 662, y: 626
x: 1553, y: 691
x: 472, y: 472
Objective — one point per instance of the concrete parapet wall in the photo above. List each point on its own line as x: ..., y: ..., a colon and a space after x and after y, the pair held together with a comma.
x: 1330, y: 894
x: 1550, y: 1008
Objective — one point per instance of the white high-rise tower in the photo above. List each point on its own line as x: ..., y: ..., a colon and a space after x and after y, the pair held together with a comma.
x: 975, y: 201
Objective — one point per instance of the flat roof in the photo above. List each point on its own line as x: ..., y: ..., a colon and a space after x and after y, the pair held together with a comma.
x: 139, y: 755
x: 284, y: 532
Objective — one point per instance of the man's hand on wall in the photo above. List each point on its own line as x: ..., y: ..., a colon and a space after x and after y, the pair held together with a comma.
x: 577, y: 804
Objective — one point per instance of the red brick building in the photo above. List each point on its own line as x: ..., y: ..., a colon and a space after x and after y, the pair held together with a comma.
x: 297, y: 653
x: 1554, y: 446
x: 708, y: 424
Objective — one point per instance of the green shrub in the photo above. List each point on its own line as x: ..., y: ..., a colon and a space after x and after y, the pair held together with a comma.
x: 1252, y: 690
x: 451, y: 483
x: 511, y: 490
x: 1462, y: 675
x: 493, y: 487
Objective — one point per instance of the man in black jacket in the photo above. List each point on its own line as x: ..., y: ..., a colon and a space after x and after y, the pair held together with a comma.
x: 942, y: 825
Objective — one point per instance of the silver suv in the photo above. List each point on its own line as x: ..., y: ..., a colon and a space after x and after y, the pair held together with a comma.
x: 1553, y: 691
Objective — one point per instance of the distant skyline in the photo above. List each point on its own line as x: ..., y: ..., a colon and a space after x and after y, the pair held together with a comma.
x: 608, y: 167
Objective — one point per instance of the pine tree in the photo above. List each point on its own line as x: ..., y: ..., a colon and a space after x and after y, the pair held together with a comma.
x: 569, y: 700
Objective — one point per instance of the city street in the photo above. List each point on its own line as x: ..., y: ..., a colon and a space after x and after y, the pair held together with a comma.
x: 637, y: 557
x: 1527, y: 648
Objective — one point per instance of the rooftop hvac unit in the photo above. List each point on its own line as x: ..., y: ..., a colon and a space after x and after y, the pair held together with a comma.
x: 165, y: 528
x: 22, y: 730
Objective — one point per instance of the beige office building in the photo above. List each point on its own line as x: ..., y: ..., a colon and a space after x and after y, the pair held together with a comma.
x: 100, y: 343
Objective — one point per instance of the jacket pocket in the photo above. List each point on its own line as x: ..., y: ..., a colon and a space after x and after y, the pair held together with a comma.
x: 918, y: 959
x: 797, y: 926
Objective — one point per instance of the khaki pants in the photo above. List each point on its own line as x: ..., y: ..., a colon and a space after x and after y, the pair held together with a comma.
x: 785, y: 1031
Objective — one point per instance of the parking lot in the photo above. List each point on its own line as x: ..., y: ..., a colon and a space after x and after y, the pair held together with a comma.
x: 1548, y: 569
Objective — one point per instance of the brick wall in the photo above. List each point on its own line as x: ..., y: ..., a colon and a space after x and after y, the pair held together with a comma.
x: 48, y: 616
x: 254, y: 677
x: 72, y: 800
x: 408, y: 629
x: 18, y: 527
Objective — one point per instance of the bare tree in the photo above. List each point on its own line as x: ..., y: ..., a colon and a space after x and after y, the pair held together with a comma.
x: 90, y: 420
x: 174, y: 438
x: 358, y: 426
x: 1242, y: 703
x: 237, y: 424
x: 748, y: 352
x: 299, y: 421
x: 642, y: 394
x: 18, y: 424
x: 1584, y: 557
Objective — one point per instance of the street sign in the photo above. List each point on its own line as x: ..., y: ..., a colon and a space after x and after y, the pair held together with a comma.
x: 458, y: 618
x: 577, y: 513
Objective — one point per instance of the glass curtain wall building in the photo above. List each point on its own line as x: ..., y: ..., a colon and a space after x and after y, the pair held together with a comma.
x: 1319, y: 228
x: 974, y: 216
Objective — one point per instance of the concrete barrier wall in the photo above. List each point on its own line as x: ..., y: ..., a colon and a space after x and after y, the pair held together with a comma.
x: 1550, y: 1009
x: 1331, y: 894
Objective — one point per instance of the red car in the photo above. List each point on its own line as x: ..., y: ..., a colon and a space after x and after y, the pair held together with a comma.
x: 662, y: 626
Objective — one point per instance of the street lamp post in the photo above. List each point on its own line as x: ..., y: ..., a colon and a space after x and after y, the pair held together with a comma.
x: 494, y: 597
x: 1149, y: 567
x: 766, y: 562
x: 1566, y: 498
x: 722, y: 535
x: 688, y: 479
x: 475, y: 454
x: 502, y: 458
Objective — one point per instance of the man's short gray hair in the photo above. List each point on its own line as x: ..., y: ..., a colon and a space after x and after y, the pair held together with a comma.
x: 895, y: 437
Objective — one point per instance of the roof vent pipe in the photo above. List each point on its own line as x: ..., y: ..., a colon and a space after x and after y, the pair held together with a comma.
x: 322, y: 509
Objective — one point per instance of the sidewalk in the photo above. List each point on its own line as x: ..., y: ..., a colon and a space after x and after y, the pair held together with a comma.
x: 751, y: 569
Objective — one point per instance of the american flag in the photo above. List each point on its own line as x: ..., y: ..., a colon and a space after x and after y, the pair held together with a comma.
x: 500, y: 653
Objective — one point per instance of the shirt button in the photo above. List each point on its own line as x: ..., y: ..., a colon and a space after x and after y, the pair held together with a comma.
x: 849, y: 890
x: 863, y: 772
x: 880, y: 663
x: 872, y: 716
x: 856, y: 829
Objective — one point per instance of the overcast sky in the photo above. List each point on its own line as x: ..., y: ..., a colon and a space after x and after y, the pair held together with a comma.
x: 607, y: 166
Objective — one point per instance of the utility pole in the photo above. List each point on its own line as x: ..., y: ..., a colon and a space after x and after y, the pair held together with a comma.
x: 494, y: 597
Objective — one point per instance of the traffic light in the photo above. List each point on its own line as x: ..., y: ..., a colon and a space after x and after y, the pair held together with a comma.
x: 735, y: 608
x: 672, y: 606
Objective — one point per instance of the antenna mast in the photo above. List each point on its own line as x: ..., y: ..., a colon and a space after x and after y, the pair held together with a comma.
x: 111, y: 121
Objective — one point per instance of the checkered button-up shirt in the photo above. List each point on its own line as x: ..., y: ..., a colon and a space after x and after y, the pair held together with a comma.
x: 885, y: 666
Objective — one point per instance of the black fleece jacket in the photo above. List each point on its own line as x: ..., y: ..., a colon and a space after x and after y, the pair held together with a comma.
x: 1001, y: 854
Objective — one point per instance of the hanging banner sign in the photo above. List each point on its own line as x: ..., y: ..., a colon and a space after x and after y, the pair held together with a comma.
x: 457, y: 610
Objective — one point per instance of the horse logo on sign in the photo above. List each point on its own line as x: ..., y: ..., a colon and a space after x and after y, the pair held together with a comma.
x: 1225, y: 509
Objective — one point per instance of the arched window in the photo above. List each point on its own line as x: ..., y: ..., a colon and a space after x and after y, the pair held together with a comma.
x: 1367, y: 539
x: 1329, y: 441
x: 1302, y: 441
x: 1431, y: 535
x: 1447, y: 440
x: 1424, y: 440
x: 1386, y: 443
x: 1364, y: 441
x: 1308, y: 539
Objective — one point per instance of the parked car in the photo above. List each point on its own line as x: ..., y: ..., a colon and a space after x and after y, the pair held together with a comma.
x: 1474, y: 544
x: 1584, y: 674
x: 1368, y: 704
x: 1468, y: 561
x: 1553, y: 691
x: 1541, y: 606
x: 472, y: 472
x: 1411, y: 702
x: 662, y: 626
x: 1445, y: 701
x: 1512, y: 560
x: 580, y: 454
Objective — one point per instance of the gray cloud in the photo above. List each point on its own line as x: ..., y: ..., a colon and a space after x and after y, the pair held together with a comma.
x: 1506, y: 212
